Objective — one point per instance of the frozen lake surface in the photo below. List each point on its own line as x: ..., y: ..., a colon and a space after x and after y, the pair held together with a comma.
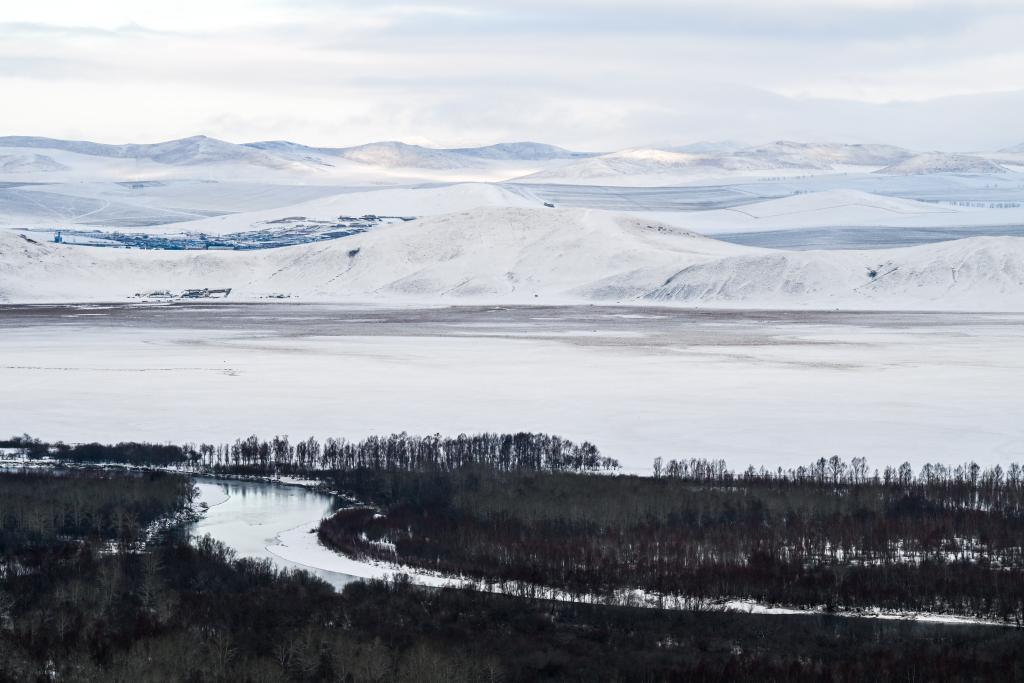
x: 761, y: 388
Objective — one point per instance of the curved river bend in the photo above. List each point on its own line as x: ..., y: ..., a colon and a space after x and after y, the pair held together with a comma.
x: 264, y: 520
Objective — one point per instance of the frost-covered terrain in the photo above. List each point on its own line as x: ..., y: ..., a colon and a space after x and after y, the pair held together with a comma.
x: 656, y: 166
x: 201, y: 186
x: 683, y: 370
x: 937, y: 162
x: 762, y: 388
x: 47, y: 160
x: 534, y: 256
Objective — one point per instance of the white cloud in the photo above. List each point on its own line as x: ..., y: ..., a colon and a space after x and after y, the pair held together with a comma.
x: 596, y: 73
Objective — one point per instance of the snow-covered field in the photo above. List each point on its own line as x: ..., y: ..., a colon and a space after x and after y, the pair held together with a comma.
x: 629, y: 227
x: 752, y: 388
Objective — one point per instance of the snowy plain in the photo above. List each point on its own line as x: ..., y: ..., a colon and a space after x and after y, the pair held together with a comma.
x: 761, y: 388
x: 706, y: 378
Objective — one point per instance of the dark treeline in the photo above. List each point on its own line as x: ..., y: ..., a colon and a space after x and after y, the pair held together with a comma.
x: 959, y: 485
x: 76, y: 606
x: 941, y: 544
x: 523, y: 451
x: 40, y: 511
x: 279, y: 456
x: 128, y: 453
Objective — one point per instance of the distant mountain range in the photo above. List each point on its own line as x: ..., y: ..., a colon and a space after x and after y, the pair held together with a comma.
x: 702, y: 160
x: 710, y: 159
x: 201, y: 149
x: 402, y: 155
x: 556, y: 164
x: 198, y: 149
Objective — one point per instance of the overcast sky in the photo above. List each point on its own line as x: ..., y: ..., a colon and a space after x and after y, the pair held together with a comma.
x: 588, y: 74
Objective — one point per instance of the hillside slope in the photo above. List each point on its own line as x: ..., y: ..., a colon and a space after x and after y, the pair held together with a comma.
x: 409, y: 202
x: 941, y: 162
x: 839, y: 208
x: 198, y: 149
x: 682, y: 164
x: 281, y: 160
x: 537, y: 255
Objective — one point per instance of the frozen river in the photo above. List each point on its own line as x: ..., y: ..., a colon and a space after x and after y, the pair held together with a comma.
x: 761, y: 388
x: 275, y: 521
x: 255, y: 519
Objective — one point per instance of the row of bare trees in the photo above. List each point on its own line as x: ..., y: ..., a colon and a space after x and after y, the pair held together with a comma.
x: 954, y: 544
x: 522, y: 451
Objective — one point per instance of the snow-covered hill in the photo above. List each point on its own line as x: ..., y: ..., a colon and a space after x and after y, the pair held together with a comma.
x: 851, y: 201
x: 631, y: 162
x: 980, y: 273
x: 408, y: 202
x: 708, y: 147
x: 402, y: 155
x: 942, y: 162
x: 664, y: 166
x: 30, y: 159
x: 648, y: 166
x: 536, y: 256
x: 399, y: 154
x: 194, y: 158
x: 283, y: 161
x: 392, y: 154
x: 520, y: 151
x: 198, y: 149
x: 823, y: 155
x: 832, y: 208
x: 22, y: 162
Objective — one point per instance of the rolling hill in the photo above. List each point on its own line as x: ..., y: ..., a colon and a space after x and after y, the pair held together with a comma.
x: 839, y: 208
x: 942, y: 162
x: 663, y: 166
x: 281, y: 160
x: 198, y: 149
x: 522, y: 255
